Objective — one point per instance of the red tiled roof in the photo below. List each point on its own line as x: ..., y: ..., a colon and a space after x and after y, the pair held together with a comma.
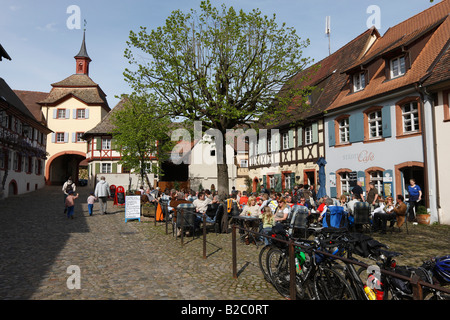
x: 31, y: 99
x: 328, y: 77
x: 435, y: 18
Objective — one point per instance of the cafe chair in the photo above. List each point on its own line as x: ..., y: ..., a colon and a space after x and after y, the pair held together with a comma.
x: 361, y: 214
x: 186, y: 220
x: 299, y: 221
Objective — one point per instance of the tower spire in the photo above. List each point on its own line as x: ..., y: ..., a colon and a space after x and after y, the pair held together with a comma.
x: 82, y: 58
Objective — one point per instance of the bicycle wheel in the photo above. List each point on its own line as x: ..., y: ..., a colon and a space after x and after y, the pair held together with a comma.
x: 330, y: 285
x: 262, y: 259
x: 279, y: 273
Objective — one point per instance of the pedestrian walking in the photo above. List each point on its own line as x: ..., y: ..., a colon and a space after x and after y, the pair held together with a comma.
x: 91, y: 200
x: 102, y: 193
x: 70, y: 204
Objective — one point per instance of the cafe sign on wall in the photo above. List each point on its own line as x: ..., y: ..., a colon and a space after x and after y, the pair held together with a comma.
x: 364, y: 156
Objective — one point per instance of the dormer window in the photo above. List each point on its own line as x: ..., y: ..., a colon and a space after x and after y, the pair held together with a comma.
x: 398, y: 67
x: 359, y: 82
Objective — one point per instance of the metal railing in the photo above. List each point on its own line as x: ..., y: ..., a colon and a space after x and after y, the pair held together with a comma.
x: 415, y: 281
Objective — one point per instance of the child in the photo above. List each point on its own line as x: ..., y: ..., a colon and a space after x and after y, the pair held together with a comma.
x: 267, y: 222
x: 90, y: 200
x: 70, y: 204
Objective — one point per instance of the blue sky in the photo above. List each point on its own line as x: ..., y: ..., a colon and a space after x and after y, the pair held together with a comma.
x: 42, y: 47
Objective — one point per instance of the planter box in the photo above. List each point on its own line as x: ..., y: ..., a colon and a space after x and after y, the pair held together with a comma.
x: 423, y: 219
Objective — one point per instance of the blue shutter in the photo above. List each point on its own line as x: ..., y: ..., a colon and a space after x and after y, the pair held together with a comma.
x: 386, y: 120
x: 331, y: 137
x: 86, y: 113
x: 55, y: 113
x: 356, y: 127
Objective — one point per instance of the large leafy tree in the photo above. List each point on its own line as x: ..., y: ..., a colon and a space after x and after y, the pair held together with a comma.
x: 221, y: 67
x: 141, y: 135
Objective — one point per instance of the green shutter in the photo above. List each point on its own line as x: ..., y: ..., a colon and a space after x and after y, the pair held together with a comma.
x: 114, y: 167
x: 291, y: 138
x: 292, y: 180
x: 299, y: 137
x: 264, y: 182
x: 315, y: 133
x: 98, y: 142
x: 278, y: 183
x: 97, y: 168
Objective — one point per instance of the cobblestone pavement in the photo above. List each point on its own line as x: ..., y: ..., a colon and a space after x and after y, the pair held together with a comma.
x: 137, y: 260
x: 117, y: 259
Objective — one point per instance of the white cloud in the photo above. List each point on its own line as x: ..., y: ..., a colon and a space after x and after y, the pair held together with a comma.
x: 48, y: 27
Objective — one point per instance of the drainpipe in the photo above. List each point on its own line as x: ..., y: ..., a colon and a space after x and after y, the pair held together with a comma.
x: 429, y: 185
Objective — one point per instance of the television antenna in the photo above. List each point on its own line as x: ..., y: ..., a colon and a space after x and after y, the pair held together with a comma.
x: 328, y: 32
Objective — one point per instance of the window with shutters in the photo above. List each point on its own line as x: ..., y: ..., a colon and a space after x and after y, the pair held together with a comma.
x: 285, y: 138
x: 61, y: 114
x: 308, y: 135
x: 78, y: 137
x: 106, y: 144
x: 81, y: 113
x: 59, y: 137
x: 106, y: 168
x: 344, y: 130
x: 373, y: 124
x: 408, y: 117
x: 345, y: 182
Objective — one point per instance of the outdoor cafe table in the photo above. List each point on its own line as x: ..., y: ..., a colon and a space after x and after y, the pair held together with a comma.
x: 249, y: 223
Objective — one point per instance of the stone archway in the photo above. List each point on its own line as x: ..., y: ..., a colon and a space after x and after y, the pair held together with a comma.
x: 62, y: 165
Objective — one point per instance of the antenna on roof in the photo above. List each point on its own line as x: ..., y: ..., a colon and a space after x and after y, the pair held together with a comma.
x: 328, y: 32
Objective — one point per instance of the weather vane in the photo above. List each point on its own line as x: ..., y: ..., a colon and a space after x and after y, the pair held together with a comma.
x: 85, y: 23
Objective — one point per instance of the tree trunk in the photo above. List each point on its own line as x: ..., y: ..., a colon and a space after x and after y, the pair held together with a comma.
x: 222, y: 169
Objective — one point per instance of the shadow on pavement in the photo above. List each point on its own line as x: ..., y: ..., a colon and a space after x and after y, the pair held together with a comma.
x: 33, y: 230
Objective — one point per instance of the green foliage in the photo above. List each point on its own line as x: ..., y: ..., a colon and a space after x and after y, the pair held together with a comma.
x: 141, y: 134
x: 222, y: 67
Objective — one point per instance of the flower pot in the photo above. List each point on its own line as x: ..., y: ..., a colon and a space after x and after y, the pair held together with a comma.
x: 423, y: 219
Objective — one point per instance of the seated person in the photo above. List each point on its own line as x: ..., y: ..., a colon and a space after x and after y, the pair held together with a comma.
x: 212, y: 207
x: 400, y: 210
x: 351, y: 204
x: 252, y: 209
x: 380, y: 217
x: 201, y: 204
x: 282, y: 211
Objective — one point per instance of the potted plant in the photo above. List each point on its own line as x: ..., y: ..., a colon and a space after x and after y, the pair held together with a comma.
x: 422, y: 215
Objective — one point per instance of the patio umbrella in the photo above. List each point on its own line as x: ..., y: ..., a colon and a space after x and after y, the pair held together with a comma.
x: 322, y: 178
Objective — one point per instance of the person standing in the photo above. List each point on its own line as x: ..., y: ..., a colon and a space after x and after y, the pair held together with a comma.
x: 358, y: 191
x: 372, y: 196
x: 70, y: 204
x: 102, y: 193
x: 415, y: 195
